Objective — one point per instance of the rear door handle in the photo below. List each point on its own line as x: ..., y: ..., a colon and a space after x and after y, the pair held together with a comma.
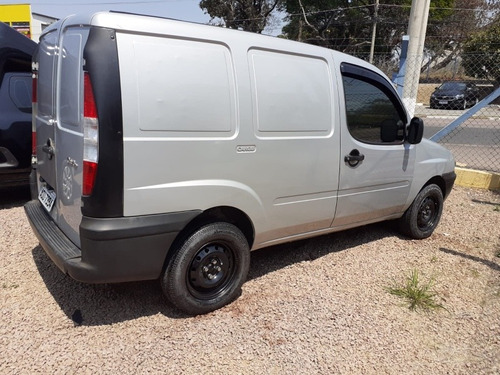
x: 48, y: 148
x: 354, y: 158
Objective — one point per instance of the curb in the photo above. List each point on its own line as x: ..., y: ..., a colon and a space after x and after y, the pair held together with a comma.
x: 477, y: 179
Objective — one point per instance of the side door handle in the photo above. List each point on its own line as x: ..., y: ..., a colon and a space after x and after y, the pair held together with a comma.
x: 354, y: 158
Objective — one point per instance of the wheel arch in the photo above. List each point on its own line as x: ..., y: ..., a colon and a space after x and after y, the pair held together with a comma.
x: 436, y: 180
x: 223, y: 214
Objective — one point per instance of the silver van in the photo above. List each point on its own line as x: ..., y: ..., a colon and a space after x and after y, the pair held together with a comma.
x: 169, y: 150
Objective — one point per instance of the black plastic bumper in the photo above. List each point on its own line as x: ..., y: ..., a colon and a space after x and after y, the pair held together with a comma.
x: 449, y: 180
x: 112, y: 250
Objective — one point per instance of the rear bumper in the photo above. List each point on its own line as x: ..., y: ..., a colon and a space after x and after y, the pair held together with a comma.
x: 112, y: 249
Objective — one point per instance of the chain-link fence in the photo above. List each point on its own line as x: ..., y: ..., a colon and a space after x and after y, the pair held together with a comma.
x: 446, y: 90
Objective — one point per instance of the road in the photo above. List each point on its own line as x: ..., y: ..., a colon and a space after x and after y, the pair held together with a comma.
x: 475, y: 143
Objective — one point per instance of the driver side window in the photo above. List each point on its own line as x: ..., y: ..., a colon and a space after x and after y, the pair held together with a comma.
x: 371, y: 115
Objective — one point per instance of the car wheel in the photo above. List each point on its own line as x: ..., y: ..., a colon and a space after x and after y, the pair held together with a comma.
x: 208, y: 269
x: 422, y: 217
x: 464, y: 106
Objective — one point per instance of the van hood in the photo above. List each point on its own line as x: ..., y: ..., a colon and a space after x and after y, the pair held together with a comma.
x: 16, y: 51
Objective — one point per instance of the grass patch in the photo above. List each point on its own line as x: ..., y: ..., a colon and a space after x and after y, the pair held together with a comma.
x: 418, y: 294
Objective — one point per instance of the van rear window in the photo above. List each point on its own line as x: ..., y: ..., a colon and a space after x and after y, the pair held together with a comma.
x: 46, y: 60
x: 70, y: 79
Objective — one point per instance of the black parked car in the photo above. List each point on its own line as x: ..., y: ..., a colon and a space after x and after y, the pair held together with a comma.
x: 15, y: 107
x: 455, y: 95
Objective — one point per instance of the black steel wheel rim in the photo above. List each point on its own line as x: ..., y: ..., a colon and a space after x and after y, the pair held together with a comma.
x: 211, y: 271
x: 427, y: 214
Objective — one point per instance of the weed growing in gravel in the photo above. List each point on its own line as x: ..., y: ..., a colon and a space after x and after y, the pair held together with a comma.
x: 475, y: 273
x: 12, y: 286
x: 416, y: 293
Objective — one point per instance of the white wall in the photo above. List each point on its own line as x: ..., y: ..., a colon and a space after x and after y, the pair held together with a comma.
x: 38, y: 23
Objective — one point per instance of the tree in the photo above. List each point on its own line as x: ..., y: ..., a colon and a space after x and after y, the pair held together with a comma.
x: 448, y: 30
x: 481, y: 56
x: 346, y: 25
x: 248, y: 15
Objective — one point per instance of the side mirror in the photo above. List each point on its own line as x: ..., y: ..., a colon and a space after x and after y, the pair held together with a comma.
x: 415, y: 131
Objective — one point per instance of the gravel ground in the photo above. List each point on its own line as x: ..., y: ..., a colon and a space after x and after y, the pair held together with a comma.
x: 313, y: 307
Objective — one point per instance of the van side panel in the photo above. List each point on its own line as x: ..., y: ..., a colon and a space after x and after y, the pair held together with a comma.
x: 195, y: 139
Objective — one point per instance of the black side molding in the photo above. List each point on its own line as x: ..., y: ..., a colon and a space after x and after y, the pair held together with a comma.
x: 104, y: 229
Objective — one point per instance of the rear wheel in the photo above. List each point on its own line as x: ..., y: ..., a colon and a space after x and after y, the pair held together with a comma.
x: 422, y: 217
x: 207, y: 271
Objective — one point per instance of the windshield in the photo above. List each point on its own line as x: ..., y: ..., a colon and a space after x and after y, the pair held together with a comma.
x: 455, y: 86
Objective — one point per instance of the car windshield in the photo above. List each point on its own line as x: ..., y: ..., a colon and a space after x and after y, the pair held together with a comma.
x: 455, y: 86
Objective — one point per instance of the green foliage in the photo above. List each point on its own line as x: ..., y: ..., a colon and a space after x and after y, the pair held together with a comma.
x: 482, y: 53
x: 416, y: 294
x: 346, y: 25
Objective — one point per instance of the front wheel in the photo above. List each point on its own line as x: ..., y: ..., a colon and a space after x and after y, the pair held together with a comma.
x: 207, y: 271
x: 422, y: 217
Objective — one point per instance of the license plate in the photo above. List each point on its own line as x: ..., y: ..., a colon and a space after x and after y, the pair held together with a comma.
x: 443, y: 102
x: 47, y: 198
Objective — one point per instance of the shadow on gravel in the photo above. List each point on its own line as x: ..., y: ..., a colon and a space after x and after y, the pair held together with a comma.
x: 270, y: 259
x: 103, y: 304
x: 14, y: 197
x: 494, y: 266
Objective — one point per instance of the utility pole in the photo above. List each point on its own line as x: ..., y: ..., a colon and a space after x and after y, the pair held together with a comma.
x: 374, y: 30
x: 416, y: 30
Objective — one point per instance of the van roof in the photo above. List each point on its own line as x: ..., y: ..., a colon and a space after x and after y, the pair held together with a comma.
x: 155, y: 25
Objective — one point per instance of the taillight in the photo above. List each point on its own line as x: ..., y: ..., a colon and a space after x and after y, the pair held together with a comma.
x: 34, y: 108
x: 90, y: 137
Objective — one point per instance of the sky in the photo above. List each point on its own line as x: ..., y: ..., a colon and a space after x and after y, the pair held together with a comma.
x: 186, y: 10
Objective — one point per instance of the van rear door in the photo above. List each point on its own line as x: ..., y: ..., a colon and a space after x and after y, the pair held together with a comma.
x: 45, y: 113
x: 59, y: 125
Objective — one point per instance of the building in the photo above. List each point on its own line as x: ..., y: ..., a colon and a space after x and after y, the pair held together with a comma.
x: 38, y: 23
x: 20, y: 17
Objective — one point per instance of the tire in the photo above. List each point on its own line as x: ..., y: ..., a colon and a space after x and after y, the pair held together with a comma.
x: 422, y: 217
x: 208, y: 269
